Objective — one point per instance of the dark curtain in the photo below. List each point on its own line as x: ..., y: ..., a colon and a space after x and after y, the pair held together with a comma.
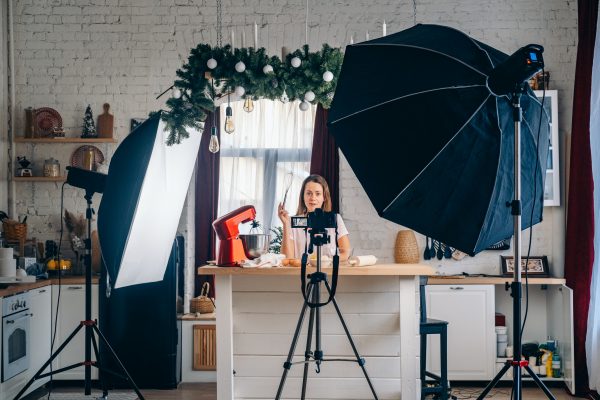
x: 579, y: 254
x: 325, y: 158
x: 207, y: 201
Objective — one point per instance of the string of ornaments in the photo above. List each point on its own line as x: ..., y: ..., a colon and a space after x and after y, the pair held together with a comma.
x: 212, y: 73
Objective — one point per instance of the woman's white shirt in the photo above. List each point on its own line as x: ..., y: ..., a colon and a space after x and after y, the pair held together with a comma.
x: 299, y: 238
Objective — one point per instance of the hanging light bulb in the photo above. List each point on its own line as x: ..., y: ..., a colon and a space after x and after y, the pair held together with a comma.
x: 248, y: 104
x: 213, y: 146
x: 229, y: 125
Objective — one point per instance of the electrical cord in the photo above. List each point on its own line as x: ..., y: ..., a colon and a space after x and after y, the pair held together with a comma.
x: 537, y: 161
x: 62, y: 199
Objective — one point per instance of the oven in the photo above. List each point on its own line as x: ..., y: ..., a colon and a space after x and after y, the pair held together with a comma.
x: 15, y: 335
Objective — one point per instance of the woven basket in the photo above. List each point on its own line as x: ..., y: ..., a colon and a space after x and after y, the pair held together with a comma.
x: 202, y: 304
x: 406, y: 250
x: 14, y: 231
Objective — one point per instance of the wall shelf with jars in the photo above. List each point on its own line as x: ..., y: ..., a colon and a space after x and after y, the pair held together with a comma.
x: 39, y: 178
x: 64, y: 140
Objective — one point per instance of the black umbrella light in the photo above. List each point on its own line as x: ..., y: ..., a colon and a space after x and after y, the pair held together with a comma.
x: 429, y: 140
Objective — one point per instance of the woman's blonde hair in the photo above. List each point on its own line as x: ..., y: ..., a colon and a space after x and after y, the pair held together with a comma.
x: 302, y: 209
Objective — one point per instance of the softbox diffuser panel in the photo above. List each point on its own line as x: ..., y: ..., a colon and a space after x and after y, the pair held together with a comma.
x: 142, y: 202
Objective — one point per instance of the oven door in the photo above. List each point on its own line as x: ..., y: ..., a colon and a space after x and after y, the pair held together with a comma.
x: 15, y: 344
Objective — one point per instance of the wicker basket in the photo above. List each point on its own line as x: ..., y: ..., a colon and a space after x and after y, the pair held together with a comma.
x: 406, y: 250
x: 14, y: 231
x: 202, y: 304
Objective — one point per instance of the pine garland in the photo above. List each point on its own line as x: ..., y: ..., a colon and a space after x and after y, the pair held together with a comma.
x: 198, y: 92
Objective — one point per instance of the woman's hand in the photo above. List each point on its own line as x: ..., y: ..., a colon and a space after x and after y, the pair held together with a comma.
x: 284, y: 216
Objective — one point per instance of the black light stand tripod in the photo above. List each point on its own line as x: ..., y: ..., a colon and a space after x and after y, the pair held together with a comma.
x: 312, y: 291
x: 91, y: 327
x: 516, y: 287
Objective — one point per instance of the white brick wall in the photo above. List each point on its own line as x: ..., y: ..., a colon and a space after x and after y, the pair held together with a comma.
x: 74, y: 52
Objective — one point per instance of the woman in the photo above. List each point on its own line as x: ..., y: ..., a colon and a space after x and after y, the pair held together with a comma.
x: 314, y: 194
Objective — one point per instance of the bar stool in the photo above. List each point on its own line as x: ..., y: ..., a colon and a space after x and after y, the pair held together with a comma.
x: 438, y: 384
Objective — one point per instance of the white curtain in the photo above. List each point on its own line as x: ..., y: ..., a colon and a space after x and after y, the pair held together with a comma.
x: 269, y: 151
x: 592, y: 344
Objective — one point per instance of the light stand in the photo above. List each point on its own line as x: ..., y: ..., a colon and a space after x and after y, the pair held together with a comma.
x: 313, y: 291
x: 93, y: 183
x: 516, y: 287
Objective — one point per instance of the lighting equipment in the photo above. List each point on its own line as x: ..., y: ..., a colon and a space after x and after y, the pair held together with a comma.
x: 318, y: 222
x: 451, y: 165
x: 231, y: 248
x: 145, y: 191
x: 229, y: 124
x: 248, y: 104
x: 92, y: 182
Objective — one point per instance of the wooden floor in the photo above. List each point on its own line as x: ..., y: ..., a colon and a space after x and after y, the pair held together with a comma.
x: 208, y: 391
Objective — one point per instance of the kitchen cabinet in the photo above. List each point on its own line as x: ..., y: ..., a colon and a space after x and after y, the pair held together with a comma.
x: 550, y: 315
x: 40, y: 302
x: 469, y: 310
x: 70, y: 313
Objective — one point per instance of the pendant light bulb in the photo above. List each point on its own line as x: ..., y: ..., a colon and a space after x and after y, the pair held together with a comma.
x: 248, y: 104
x: 229, y: 125
x: 213, y: 145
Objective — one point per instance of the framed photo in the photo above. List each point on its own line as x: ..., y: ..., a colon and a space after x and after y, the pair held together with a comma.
x: 537, y: 266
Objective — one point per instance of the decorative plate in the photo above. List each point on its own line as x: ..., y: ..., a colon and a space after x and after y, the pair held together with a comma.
x: 78, y: 157
x: 46, y: 119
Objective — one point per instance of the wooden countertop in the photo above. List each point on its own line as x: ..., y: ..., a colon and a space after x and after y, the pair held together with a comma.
x: 489, y: 280
x: 14, y: 288
x: 372, y: 270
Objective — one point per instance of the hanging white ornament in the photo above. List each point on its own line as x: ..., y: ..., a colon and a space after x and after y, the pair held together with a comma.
x: 303, y: 106
x: 267, y: 69
x: 240, y: 67
x: 327, y: 76
x: 176, y: 93
x: 239, y: 91
x: 188, y: 92
x: 212, y: 63
x: 284, y: 97
x: 296, y: 62
x: 309, y: 96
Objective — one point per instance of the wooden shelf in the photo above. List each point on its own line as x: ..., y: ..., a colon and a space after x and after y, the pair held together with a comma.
x: 64, y: 140
x: 40, y: 178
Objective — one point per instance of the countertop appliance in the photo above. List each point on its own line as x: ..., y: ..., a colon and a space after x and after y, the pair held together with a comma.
x: 15, y: 335
x: 231, y: 248
x: 140, y: 323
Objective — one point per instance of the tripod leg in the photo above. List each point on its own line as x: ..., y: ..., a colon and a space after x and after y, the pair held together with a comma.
x: 112, y: 351
x: 100, y: 371
x: 494, y: 382
x: 308, y: 353
x: 361, y: 361
x: 539, y: 383
x: 288, y: 363
x: 52, y: 357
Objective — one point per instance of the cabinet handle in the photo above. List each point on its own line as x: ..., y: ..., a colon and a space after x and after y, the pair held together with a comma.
x: 42, y: 291
x: 456, y: 288
x: 74, y: 288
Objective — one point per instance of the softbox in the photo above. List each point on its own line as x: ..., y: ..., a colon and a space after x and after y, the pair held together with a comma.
x: 143, y: 198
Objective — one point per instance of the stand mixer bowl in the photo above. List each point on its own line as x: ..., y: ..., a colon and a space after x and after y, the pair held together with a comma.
x: 255, y: 244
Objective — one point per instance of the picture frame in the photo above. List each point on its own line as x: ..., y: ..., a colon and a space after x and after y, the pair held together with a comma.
x: 536, y: 267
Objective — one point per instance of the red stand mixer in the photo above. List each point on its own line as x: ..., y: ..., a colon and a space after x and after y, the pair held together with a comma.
x: 231, y: 248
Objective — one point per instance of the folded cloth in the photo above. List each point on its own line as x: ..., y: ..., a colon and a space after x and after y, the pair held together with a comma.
x: 362, y: 261
x: 267, y: 260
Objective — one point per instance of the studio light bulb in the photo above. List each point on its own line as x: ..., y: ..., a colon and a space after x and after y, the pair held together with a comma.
x: 248, y: 104
x: 213, y: 146
x: 229, y: 125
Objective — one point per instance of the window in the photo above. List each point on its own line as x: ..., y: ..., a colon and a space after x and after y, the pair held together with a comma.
x: 269, y: 151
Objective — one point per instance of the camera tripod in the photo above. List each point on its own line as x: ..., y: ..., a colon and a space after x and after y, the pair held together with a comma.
x: 312, y: 291
x: 91, y: 327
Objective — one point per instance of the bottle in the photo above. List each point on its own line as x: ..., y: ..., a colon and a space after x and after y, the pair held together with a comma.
x: 556, y: 365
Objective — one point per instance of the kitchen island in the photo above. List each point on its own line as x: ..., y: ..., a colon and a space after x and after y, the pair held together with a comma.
x: 257, y: 310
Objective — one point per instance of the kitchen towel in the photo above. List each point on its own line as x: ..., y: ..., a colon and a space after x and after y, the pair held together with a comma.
x: 362, y: 261
x: 8, y: 267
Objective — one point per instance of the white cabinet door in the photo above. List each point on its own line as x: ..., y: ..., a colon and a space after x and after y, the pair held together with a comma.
x: 70, y: 314
x: 40, y: 302
x: 469, y: 310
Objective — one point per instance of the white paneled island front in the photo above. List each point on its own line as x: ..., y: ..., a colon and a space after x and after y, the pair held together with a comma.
x: 257, y: 311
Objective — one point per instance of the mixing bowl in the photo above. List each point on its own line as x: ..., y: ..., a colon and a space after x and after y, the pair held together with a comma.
x: 256, y: 244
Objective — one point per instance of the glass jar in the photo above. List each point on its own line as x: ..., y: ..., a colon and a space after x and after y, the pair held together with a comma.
x: 51, y: 167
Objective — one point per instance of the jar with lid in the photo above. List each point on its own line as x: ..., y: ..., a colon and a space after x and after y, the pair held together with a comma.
x: 51, y: 167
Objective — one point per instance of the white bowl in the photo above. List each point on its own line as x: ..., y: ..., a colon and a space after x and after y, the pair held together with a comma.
x: 326, y: 261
